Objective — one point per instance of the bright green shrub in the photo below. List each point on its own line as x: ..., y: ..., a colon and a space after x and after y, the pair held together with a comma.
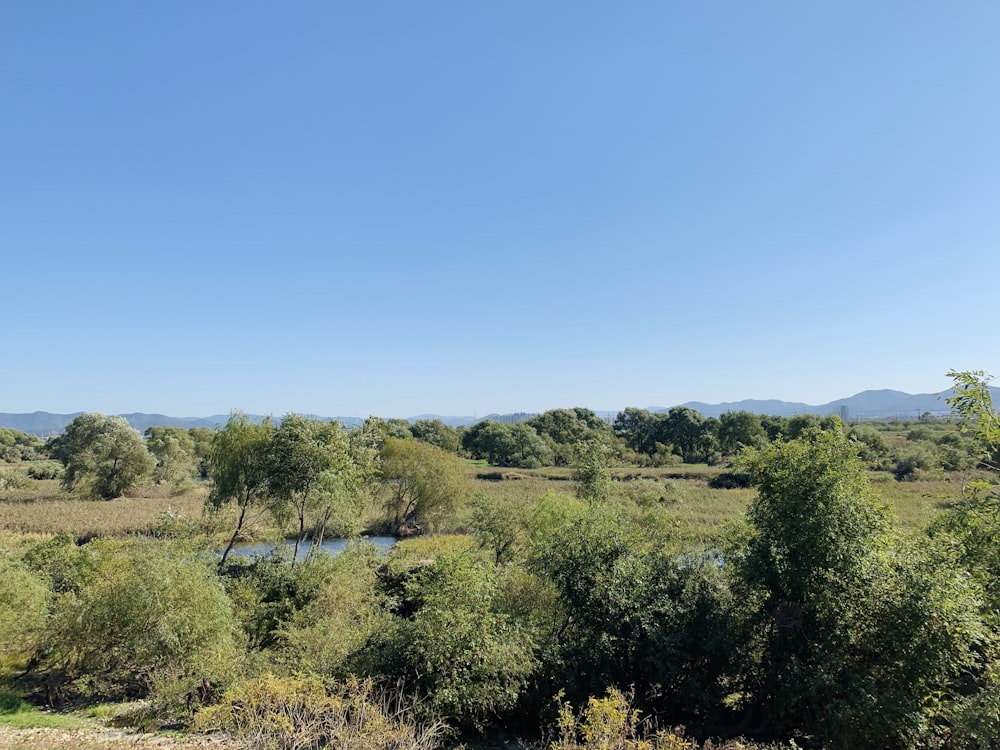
x: 152, y: 616
x: 467, y: 658
x: 24, y: 605
x: 344, y: 613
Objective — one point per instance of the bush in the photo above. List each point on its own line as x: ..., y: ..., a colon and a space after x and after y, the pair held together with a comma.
x: 152, y: 617
x: 11, y: 479
x: 343, y: 615
x: 296, y: 713
x: 466, y: 657
x: 24, y: 604
x: 45, y: 470
x: 730, y: 480
x: 613, y: 723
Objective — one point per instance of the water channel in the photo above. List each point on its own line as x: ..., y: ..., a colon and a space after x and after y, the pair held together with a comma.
x: 330, y: 546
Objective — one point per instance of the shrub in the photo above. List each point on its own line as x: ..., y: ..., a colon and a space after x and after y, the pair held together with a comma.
x: 45, y: 470
x: 730, y: 480
x: 467, y: 658
x: 24, y: 604
x: 300, y: 713
x: 11, y: 479
x: 613, y: 723
x: 152, y: 616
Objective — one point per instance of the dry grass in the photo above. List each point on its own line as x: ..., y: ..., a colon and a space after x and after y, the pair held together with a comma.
x: 701, y: 511
x: 44, y: 508
x: 682, y: 492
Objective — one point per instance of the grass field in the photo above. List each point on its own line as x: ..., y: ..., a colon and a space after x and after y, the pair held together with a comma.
x: 682, y: 492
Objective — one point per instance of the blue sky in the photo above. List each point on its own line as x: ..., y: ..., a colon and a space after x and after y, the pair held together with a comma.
x: 397, y: 208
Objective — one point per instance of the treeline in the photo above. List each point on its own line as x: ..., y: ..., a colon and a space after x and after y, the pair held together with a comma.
x: 636, y: 437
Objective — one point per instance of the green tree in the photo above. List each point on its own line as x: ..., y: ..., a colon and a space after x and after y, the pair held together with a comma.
x: 688, y: 431
x: 637, y: 427
x: 738, y: 429
x: 24, y: 605
x: 173, y: 449
x: 18, y: 446
x: 633, y: 614
x: 564, y: 428
x: 437, y: 433
x: 302, y: 452
x: 421, y: 483
x: 972, y: 401
x: 500, y: 526
x: 239, y: 465
x: 338, y: 496
x: 530, y: 450
x: 591, y: 472
x: 104, y: 457
x: 854, y: 638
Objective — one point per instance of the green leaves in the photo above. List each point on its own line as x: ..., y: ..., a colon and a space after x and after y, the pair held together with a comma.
x: 103, y: 456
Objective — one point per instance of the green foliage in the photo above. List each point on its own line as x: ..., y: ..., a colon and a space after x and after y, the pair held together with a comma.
x: 300, y: 713
x: 502, y: 444
x: 633, y: 614
x: 421, y: 484
x: 173, y: 449
x: 739, y: 429
x: 239, y: 466
x: 152, y: 615
x: 437, y: 433
x: 24, y: 605
x: 267, y: 591
x: 564, y: 429
x: 45, y: 470
x: 853, y: 640
x: 637, y: 427
x: 465, y: 657
x: 65, y: 565
x: 871, y: 446
x: 308, y: 462
x: 12, y: 479
x: 344, y: 613
x: 104, y: 457
x: 973, y: 403
x: 18, y: 446
x: 500, y: 526
x: 591, y: 471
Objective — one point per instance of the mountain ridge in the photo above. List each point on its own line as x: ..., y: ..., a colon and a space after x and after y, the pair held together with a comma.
x: 870, y: 404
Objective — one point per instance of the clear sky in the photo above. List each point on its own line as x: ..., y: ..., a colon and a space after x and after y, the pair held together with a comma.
x: 396, y: 208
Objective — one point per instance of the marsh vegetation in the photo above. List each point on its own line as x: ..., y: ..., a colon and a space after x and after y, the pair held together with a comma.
x: 556, y: 582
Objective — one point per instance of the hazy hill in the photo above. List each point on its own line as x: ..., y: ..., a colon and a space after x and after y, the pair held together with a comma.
x: 873, y: 404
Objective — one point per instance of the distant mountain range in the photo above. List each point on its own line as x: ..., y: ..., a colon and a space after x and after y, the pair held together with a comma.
x: 865, y: 405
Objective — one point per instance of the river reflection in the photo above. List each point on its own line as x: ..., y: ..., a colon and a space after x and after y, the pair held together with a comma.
x: 330, y: 546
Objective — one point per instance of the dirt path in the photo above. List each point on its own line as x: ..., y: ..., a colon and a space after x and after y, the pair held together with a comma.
x: 100, y: 739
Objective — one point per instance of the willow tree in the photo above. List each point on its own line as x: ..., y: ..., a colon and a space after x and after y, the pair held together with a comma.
x: 239, y: 469
x: 421, y: 483
x: 104, y: 456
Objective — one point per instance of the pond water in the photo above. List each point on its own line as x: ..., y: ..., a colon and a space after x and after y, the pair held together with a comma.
x: 330, y: 546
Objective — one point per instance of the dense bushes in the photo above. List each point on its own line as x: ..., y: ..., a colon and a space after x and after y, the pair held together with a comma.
x: 151, y: 616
